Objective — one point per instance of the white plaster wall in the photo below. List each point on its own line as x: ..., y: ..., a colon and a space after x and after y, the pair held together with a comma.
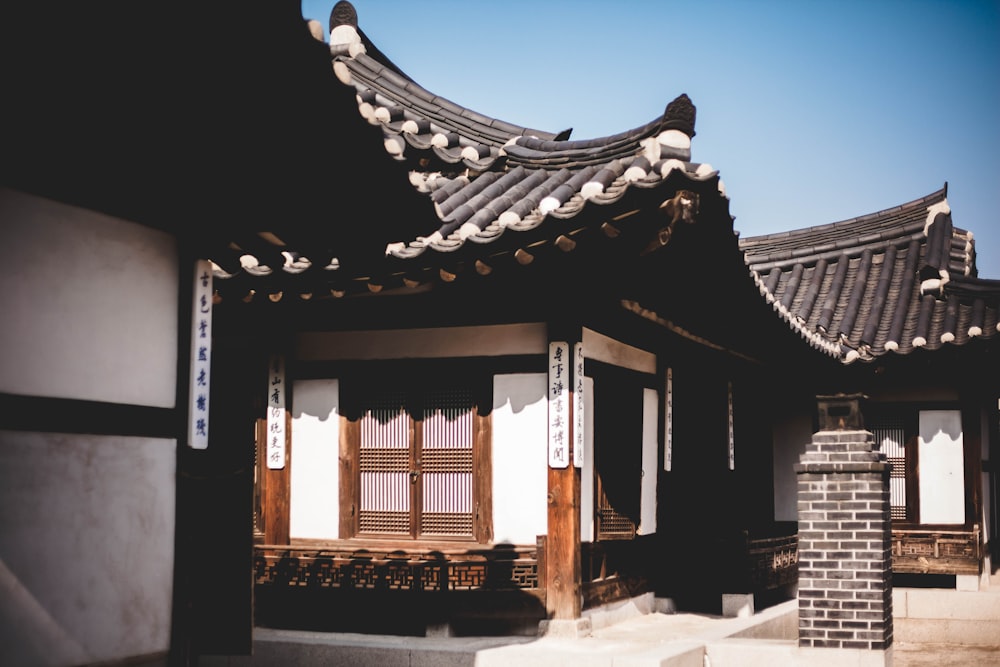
x: 647, y: 490
x: 89, y: 304
x: 942, y: 467
x: 485, y: 341
x: 520, y: 457
x: 86, y: 547
x: 790, y: 439
x: 314, y: 510
x: 602, y: 348
x: 587, y: 472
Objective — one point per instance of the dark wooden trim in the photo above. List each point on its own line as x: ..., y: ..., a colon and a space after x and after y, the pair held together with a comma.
x: 415, y: 443
x: 425, y: 548
x: 350, y: 439
x: 971, y: 419
x: 182, y: 631
x: 260, y: 481
x: 482, y: 481
x: 912, y: 450
x: 68, y: 415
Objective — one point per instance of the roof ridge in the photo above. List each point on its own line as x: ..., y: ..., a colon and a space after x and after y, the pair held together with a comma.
x: 919, y: 203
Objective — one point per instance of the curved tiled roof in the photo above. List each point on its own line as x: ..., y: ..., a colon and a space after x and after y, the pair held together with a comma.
x: 490, y: 181
x: 889, y: 282
x: 486, y: 175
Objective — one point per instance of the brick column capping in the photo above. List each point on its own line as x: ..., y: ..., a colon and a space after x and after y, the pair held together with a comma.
x: 845, y: 562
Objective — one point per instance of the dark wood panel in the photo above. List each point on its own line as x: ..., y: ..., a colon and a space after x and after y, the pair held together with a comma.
x: 66, y: 415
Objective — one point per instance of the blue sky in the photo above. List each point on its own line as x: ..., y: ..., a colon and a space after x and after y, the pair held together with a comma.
x: 813, y: 112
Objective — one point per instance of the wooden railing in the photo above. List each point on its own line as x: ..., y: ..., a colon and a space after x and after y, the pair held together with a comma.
x: 399, y: 569
x: 773, y: 561
x: 917, y: 551
x: 759, y: 560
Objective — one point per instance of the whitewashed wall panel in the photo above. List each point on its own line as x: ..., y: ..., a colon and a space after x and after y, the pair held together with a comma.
x: 520, y: 471
x: 486, y: 341
x: 587, y: 473
x: 89, y: 303
x: 791, y: 435
x: 942, y: 467
x: 314, y: 511
x: 86, y: 547
x: 647, y: 491
x: 602, y: 348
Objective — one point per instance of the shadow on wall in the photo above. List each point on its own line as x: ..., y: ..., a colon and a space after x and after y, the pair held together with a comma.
x: 483, y: 593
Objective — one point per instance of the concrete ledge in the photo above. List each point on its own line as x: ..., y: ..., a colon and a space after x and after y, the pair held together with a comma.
x: 676, y: 654
x: 761, y: 653
x: 737, y: 605
x: 616, y: 612
x: 946, y: 604
x: 571, y: 628
x: 938, y: 631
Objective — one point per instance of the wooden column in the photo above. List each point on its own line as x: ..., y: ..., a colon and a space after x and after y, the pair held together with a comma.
x: 276, y: 469
x: 564, y: 592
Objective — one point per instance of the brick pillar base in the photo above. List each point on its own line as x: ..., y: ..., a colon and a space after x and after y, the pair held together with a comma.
x: 845, y: 562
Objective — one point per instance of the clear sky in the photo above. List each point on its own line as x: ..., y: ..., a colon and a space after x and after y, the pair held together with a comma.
x: 813, y: 112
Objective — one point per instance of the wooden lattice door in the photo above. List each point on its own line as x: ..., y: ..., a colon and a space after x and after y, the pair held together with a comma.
x: 415, y: 463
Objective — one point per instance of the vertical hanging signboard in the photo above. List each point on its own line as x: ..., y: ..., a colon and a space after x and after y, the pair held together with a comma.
x: 559, y: 385
x: 201, y: 355
x: 276, y: 413
x: 732, y: 435
x: 578, y: 406
x: 668, y: 423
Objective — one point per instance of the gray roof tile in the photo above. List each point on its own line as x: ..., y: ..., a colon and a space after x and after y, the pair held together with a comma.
x: 888, y: 282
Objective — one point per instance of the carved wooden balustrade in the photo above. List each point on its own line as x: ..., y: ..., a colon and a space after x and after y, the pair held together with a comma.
x: 400, y: 569
x: 917, y: 551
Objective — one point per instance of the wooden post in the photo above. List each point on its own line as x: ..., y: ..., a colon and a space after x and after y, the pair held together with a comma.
x: 277, y: 496
x: 563, y: 585
x: 563, y: 588
x: 277, y: 450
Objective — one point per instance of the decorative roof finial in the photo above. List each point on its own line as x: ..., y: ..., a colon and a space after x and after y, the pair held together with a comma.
x: 680, y: 115
x: 343, y: 13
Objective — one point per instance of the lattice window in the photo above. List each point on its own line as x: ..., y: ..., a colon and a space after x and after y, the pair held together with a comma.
x: 415, y: 462
x: 618, y: 416
x: 446, y: 463
x: 384, y: 465
x: 890, y: 435
x: 612, y: 525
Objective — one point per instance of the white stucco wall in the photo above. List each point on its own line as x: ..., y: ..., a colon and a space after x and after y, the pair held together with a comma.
x: 790, y: 439
x: 941, y: 457
x: 86, y: 547
x: 650, y: 421
x: 520, y: 457
x: 89, y: 304
x: 315, y: 462
x: 479, y: 341
x: 587, y: 472
x: 599, y: 347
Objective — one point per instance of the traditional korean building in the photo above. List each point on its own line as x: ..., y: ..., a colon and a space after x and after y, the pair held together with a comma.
x: 480, y: 428
x: 463, y: 374
x: 539, y: 396
x: 894, y: 295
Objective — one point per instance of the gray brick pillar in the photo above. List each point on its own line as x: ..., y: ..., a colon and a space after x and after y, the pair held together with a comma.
x: 845, y: 562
